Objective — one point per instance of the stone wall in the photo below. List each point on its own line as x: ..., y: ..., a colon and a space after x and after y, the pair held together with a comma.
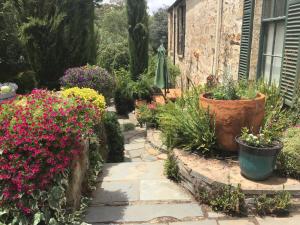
x: 80, y: 166
x: 205, y: 42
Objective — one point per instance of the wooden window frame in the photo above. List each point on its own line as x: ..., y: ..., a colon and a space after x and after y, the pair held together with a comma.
x: 181, y: 29
x: 264, y: 24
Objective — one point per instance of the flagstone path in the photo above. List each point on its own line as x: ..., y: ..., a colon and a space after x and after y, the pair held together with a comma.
x: 137, y: 192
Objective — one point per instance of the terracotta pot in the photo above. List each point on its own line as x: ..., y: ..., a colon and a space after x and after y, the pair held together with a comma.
x: 139, y: 103
x: 232, y: 115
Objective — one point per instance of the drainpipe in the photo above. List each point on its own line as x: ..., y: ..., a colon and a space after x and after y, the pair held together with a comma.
x: 218, y: 37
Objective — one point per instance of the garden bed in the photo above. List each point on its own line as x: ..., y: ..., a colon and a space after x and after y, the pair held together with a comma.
x: 197, y: 172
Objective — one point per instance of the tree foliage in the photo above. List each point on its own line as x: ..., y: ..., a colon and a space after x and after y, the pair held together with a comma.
x: 159, y: 28
x: 11, y: 52
x: 56, y: 34
x: 138, y: 36
x: 111, y: 22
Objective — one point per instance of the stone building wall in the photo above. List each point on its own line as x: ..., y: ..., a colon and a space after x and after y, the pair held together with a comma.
x: 200, y: 56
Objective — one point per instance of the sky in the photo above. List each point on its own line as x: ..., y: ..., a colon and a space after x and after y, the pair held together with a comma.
x: 156, y: 4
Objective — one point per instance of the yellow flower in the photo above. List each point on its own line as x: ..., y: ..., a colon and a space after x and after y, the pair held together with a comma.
x: 87, y: 94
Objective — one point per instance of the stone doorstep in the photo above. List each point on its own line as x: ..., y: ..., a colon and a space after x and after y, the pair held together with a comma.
x: 198, y: 222
x: 292, y: 220
x: 142, y: 213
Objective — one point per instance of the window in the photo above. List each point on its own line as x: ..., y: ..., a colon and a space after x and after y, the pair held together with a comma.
x: 273, y: 31
x: 181, y: 11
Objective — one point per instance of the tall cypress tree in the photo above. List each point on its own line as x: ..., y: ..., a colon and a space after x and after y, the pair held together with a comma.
x: 56, y: 34
x: 138, y: 36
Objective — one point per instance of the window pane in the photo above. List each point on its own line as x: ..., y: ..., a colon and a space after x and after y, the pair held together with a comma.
x: 269, y: 38
x: 267, y: 68
x: 280, y: 9
x: 276, y: 70
x: 278, y: 48
x: 268, y: 9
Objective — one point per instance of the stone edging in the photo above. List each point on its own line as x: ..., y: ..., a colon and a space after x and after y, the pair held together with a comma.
x: 152, y: 142
x: 192, y: 180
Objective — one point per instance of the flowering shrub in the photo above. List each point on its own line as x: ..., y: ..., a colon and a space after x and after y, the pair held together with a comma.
x: 147, y: 114
x: 89, y: 77
x: 40, y: 135
x: 260, y: 140
x: 88, y: 95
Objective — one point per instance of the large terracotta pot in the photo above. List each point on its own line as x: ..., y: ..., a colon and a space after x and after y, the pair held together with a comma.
x: 232, y: 115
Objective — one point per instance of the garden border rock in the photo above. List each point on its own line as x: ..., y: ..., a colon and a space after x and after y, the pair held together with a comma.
x: 193, y: 181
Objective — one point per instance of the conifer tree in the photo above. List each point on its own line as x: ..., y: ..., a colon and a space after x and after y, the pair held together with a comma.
x: 138, y: 36
x: 56, y: 34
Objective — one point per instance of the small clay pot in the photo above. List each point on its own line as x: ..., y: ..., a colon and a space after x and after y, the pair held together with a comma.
x: 232, y: 115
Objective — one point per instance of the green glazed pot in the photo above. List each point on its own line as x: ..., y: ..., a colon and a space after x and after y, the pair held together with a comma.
x: 257, y: 163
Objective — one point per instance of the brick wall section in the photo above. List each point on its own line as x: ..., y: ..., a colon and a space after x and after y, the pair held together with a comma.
x: 201, y: 22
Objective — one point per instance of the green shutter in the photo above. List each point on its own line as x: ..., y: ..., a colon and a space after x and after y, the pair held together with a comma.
x: 246, y: 39
x: 290, y: 65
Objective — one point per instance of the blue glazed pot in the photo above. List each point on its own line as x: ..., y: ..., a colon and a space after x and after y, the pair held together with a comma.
x: 257, y: 163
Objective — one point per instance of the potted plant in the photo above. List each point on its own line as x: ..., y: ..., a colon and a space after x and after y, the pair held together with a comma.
x: 142, y: 92
x: 146, y: 114
x: 233, y: 105
x: 258, y: 154
x: 7, y: 91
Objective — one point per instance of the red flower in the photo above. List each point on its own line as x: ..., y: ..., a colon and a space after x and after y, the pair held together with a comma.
x: 39, y: 138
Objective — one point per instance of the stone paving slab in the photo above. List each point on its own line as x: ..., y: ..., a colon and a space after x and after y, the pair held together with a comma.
x: 142, y: 213
x: 116, y: 191
x: 214, y: 215
x: 148, y: 158
x: 136, y: 146
x: 135, y: 153
x: 133, y: 171
x: 152, y: 190
x: 202, y: 222
x: 292, y: 220
x: 235, y: 222
x: 138, y: 140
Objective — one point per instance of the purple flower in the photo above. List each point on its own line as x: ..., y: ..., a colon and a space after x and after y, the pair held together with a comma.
x: 90, y: 77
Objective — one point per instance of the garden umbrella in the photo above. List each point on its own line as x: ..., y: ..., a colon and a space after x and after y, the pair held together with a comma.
x: 162, y: 75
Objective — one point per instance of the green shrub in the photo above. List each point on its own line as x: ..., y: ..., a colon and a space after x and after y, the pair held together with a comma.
x: 26, y: 81
x: 230, y: 89
x: 147, y: 114
x: 171, y: 168
x: 288, y: 162
x: 142, y: 88
x: 115, y: 137
x: 123, y: 95
x: 278, y: 204
x: 186, y: 125
x: 227, y: 199
x: 128, y: 127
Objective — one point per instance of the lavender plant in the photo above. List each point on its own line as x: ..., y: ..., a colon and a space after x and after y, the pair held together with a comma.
x: 89, y: 76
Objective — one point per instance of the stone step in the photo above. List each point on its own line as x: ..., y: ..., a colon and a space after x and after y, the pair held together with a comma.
x: 124, y: 192
x: 132, y: 171
x: 143, y: 213
x: 200, y: 222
